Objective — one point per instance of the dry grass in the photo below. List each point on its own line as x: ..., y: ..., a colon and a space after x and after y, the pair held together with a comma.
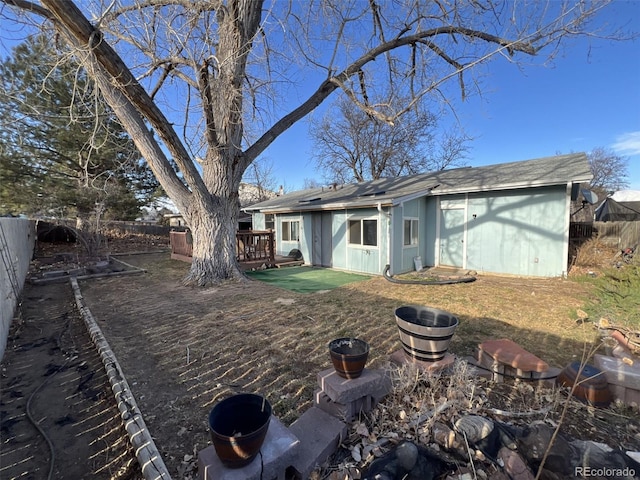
x: 184, y: 349
x: 593, y: 255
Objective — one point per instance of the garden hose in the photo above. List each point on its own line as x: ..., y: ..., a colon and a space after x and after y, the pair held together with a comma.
x: 466, y: 279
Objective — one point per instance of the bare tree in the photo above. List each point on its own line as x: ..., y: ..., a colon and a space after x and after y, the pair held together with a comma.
x: 260, y: 175
x: 308, y: 183
x: 183, y: 76
x: 352, y: 145
x: 610, y: 170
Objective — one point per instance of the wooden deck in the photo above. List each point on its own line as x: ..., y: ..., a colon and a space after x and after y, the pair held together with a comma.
x: 254, y: 248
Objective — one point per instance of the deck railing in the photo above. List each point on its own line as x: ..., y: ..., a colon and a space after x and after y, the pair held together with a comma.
x: 251, y: 246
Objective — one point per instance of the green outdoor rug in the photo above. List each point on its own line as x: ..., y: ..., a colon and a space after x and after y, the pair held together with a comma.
x: 306, y: 279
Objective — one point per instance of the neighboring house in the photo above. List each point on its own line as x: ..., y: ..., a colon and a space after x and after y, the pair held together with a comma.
x: 510, y: 218
x: 247, y: 193
x: 622, y: 206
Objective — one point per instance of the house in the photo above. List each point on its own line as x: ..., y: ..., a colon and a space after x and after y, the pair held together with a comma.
x: 622, y: 206
x: 510, y: 218
x: 247, y: 194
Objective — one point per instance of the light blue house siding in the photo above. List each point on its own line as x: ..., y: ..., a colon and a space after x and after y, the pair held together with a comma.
x: 338, y: 251
x: 519, y: 232
x: 510, y: 218
x: 402, y: 258
x: 359, y: 258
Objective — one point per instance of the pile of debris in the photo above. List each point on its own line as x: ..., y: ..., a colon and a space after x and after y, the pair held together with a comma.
x: 453, y: 425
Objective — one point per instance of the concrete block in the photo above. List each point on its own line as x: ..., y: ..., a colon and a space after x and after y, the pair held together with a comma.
x: 319, y: 434
x: 279, y: 451
x: 372, y: 382
x: 618, y: 372
x: 339, y: 410
x: 347, y: 413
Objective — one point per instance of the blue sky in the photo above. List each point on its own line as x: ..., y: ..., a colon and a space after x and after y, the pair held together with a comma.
x: 588, y: 98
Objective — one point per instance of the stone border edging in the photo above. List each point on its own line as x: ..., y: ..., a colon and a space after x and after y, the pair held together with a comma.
x: 64, y: 278
x: 153, y: 467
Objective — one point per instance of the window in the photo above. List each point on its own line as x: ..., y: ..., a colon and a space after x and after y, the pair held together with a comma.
x: 269, y: 222
x: 410, y: 232
x: 363, y: 232
x: 290, y: 231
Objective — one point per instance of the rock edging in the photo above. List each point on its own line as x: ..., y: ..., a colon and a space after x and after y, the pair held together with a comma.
x: 151, y: 463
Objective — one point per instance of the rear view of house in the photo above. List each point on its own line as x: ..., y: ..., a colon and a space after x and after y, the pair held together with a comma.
x: 510, y: 218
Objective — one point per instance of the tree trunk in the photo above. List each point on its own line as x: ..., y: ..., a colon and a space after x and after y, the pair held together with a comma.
x: 214, y: 244
x: 213, y: 220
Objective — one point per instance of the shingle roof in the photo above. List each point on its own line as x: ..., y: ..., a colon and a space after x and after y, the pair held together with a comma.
x: 557, y: 170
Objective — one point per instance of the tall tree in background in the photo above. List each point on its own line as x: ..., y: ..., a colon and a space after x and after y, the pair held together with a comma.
x: 62, y: 151
x: 610, y: 171
x: 217, y: 63
x: 352, y: 145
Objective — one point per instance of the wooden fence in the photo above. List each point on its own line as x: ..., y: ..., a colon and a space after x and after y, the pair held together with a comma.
x: 618, y: 234
x: 140, y: 228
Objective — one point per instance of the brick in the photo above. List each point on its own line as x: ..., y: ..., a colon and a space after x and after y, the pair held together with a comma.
x: 510, y: 353
x: 372, y: 382
x: 319, y: 434
x: 279, y: 451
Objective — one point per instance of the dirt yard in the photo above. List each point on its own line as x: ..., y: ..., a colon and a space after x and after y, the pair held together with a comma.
x: 183, y: 349
x: 51, y: 368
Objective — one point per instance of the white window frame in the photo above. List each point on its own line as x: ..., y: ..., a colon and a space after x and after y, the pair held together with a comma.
x: 288, y: 228
x: 414, y: 234
x: 361, y: 244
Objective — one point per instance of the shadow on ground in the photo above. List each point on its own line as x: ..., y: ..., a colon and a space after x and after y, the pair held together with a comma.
x: 183, y: 349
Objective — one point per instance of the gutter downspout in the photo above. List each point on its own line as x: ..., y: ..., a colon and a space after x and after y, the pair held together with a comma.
x: 567, y: 227
x: 389, y: 237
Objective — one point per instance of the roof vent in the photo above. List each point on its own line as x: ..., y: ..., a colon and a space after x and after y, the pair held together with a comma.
x: 309, y: 200
x: 373, y: 194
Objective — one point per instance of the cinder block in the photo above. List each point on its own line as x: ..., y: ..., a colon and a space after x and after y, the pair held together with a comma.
x: 347, y: 413
x: 632, y: 397
x: 339, y: 410
x: 279, y: 451
x: 319, y: 434
x: 547, y: 379
x: 372, y: 382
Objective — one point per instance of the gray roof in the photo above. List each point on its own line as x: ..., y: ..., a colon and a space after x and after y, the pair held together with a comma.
x: 557, y: 170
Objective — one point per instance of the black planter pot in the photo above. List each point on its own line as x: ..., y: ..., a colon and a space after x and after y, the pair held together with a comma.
x: 238, y: 428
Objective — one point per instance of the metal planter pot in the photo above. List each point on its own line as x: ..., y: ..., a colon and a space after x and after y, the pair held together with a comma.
x: 425, y: 332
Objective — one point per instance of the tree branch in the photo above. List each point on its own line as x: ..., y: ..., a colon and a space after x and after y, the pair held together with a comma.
x: 84, y: 35
x: 328, y: 86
